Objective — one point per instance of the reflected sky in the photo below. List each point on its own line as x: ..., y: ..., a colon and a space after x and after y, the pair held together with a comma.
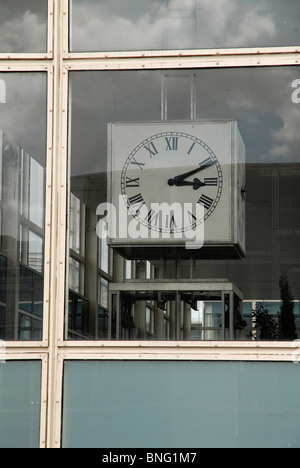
x: 183, y: 24
x: 23, y: 115
x: 23, y: 26
x: 260, y: 99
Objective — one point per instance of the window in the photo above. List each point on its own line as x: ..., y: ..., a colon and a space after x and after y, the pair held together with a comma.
x: 20, y: 382
x: 196, y: 24
x: 23, y: 26
x: 23, y: 123
x: 259, y: 99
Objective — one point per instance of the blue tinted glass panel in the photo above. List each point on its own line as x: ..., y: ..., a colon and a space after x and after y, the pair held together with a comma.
x: 181, y: 404
x: 20, y: 403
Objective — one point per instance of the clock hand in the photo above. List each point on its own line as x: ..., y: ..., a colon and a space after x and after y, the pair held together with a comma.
x: 243, y: 192
x: 181, y: 177
x: 196, y: 184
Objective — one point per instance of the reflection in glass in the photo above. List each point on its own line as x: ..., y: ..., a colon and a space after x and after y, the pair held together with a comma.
x: 78, y: 317
x: 35, y: 252
x: 75, y: 213
x: 22, y: 188
x: 103, y: 293
x: 206, y: 321
x: 260, y: 100
x: 36, y: 191
x: 182, y: 24
x: 23, y: 26
x: 74, y: 275
x: 103, y: 318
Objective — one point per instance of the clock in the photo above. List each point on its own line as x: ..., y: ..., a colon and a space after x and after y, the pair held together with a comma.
x: 173, y: 183
x: 147, y: 180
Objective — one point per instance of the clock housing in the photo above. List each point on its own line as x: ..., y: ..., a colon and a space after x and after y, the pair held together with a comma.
x: 176, y: 188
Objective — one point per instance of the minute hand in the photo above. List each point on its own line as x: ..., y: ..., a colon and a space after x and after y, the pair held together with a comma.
x: 181, y: 177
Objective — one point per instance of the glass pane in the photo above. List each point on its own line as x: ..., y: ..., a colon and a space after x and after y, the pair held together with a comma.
x: 103, y: 292
x: 262, y: 102
x: 104, y: 256
x: 74, y: 275
x: 102, y: 324
x: 20, y: 403
x: 23, y: 26
x: 78, y: 317
x: 75, y: 217
x: 180, y: 404
x: 173, y: 24
x: 22, y: 202
x: 36, y: 197
x: 35, y: 252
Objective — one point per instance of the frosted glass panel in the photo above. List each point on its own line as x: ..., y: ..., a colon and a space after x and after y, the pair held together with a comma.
x: 20, y: 402
x: 181, y: 404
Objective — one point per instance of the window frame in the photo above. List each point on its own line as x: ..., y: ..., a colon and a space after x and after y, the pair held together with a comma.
x: 269, y: 59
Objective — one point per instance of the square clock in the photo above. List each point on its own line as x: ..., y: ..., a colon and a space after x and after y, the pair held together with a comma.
x: 176, y: 188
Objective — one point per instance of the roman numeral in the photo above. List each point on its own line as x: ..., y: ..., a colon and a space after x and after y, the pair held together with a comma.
x: 207, y: 162
x: 191, y: 148
x: 172, y: 144
x: 136, y: 201
x: 134, y: 161
x: 192, y: 217
x: 170, y: 222
x: 205, y: 201
x: 151, y: 149
x: 211, y: 181
x: 153, y: 217
x: 132, y: 182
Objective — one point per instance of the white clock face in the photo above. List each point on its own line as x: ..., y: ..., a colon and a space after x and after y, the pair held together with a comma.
x: 171, y: 167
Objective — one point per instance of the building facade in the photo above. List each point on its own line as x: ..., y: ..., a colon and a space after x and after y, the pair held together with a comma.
x: 149, y: 223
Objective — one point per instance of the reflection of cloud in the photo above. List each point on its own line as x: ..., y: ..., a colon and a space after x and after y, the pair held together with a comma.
x: 180, y: 24
x: 258, y: 98
x: 287, y: 138
x: 261, y: 100
x: 23, y: 116
x: 256, y: 23
x: 26, y: 33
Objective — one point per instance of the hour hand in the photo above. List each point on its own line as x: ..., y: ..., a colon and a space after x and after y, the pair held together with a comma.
x: 196, y: 184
